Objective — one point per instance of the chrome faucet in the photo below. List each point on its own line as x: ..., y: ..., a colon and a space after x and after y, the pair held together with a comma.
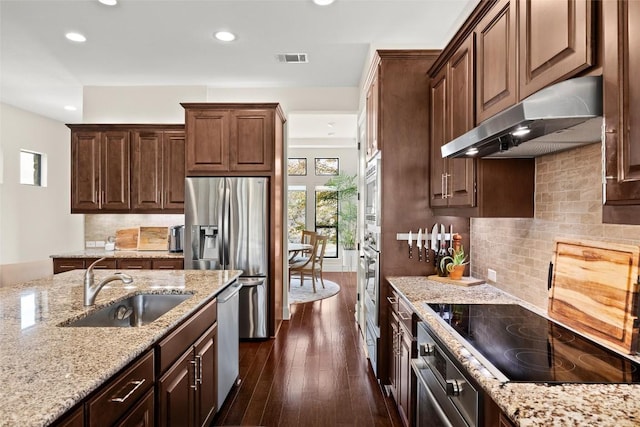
x: 91, y: 290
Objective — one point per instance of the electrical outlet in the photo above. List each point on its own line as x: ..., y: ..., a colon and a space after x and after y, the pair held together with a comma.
x: 90, y: 244
x: 99, y: 243
x: 491, y: 275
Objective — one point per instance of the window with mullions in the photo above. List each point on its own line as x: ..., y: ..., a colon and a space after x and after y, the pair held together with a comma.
x: 297, y: 167
x: 297, y: 212
x: 327, y: 166
x: 327, y: 218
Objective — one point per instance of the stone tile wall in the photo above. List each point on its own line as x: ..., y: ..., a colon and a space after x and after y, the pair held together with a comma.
x: 568, y: 203
x: 100, y: 226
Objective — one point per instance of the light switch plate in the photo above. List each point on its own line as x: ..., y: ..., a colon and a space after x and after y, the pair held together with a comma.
x: 491, y: 275
x: 99, y: 243
x: 90, y: 244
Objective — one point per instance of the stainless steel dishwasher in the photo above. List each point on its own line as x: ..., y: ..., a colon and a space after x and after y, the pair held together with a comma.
x: 228, y: 340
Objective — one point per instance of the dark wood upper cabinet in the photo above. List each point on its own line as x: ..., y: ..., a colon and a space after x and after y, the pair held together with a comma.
x: 621, y: 111
x: 451, y: 109
x: 372, y: 107
x: 157, y: 172
x: 496, y: 62
x: 99, y: 171
x: 127, y: 168
x: 232, y: 138
x: 555, y: 41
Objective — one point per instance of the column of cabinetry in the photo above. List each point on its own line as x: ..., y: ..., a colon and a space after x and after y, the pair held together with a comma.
x: 158, y: 171
x: 621, y: 112
x: 127, y: 168
x: 402, y: 326
x: 372, y: 100
x: 229, y: 138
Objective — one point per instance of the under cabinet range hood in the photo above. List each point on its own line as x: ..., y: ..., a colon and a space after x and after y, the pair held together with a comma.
x: 562, y: 116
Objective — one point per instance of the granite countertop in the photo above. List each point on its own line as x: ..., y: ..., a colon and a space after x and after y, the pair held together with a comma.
x: 46, y: 369
x: 100, y: 253
x: 526, y: 404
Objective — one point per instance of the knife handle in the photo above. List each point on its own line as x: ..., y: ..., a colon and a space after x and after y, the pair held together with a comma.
x: 410, y: 252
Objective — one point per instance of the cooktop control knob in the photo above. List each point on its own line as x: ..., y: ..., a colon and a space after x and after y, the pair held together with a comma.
x: 453, y: 388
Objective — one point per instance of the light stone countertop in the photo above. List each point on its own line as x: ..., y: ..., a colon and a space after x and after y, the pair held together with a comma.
x: 100, y: 253
x: 526, y: 404
x: 45, y: 369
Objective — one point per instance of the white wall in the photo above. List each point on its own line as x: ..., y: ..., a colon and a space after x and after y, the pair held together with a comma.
x: 35, y: 222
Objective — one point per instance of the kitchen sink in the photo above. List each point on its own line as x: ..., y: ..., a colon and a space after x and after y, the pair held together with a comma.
x: 137, y: 310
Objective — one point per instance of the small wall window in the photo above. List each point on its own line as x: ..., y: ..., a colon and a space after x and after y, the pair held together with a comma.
x: 328, y: 167
x: 33, y: 168
x: 327, y: 218
x: 297, y: 212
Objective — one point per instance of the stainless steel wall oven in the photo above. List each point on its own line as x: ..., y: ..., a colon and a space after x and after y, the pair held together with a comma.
x: 445, y: 396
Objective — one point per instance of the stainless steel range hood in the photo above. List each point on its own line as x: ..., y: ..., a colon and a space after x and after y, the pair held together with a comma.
x: 559, y: 117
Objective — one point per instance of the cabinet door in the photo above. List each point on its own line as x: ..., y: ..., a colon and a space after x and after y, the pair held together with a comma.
x: 141, y: 415
x: 496, y: 61
x: 146, y: 172
x: 459, y: 181
x: 405, y: 376
x: 167, y: 264
x: 251, y: 140
x: 207, y: 140
x: 115, y: 171
x: 555, y: 41
x: 134, y: 264
x: 438, y: 111
x: 622, y: 106
x: 393, y: 358
x: 174, y: 170
x: 85, y: 171
x: 372, y: 103
x: 207, y: 392
x: 73, y: 419
x: 176, y: 393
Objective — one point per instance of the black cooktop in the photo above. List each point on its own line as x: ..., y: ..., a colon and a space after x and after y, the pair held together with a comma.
x: 527, y: 347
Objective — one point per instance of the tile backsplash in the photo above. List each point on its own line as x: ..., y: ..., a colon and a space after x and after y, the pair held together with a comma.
x: 99, y: 226
x: 568, y: 203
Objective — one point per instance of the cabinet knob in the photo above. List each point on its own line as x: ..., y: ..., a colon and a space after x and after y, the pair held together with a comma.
x: 453, y: 388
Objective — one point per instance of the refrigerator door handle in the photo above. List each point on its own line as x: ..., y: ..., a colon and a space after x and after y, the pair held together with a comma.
x: 226, y: 222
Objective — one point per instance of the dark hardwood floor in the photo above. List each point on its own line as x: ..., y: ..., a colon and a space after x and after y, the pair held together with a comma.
x: 314, y: 373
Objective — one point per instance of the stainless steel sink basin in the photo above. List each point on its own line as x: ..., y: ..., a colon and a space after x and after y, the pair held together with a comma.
x: 138, y: 310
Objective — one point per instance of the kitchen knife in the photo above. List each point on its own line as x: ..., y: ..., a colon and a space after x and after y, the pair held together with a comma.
x: 419, y: 244
x: 410, y: 242
x: 434, y: 242
x: 451, y: 239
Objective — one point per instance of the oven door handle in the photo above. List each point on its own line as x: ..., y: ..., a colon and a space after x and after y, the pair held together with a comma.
x: 416, y: 366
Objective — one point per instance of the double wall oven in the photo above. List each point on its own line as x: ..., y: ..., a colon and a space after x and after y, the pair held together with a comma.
x: 370, y: 260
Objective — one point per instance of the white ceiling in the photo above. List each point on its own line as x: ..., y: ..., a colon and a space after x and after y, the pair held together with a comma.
x: 169, y: 42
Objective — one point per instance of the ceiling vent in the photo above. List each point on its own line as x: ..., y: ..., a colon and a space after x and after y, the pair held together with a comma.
x: 293, y: 58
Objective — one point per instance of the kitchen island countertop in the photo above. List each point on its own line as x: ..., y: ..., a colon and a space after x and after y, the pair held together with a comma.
x: 526, y: 404
x: 46, y: 369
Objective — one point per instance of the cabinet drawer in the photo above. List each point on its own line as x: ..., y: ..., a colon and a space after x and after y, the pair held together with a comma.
x: 134, y: 264
x: 403, y: 312
x: 168, y: 264
x: 170, y: 348
x: 107, y: 264
x: 121, y: 393
x: 60, y: 265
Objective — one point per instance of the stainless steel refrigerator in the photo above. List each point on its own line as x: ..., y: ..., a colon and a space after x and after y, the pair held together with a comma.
x: 226, y: 228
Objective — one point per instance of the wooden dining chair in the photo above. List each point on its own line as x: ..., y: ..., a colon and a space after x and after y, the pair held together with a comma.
x: 307, y: 237
x: 313, y: 267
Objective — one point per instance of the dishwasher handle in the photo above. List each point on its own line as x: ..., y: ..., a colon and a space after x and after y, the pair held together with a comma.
x: 230, y: 292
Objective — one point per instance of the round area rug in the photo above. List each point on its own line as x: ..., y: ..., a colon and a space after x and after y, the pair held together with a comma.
x: 299, y: 294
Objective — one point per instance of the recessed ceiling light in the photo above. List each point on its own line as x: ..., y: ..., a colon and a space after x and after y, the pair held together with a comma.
x: 323, y: 2
x: 76, y: 37
x: 331, y: 133
x: 225, y: 36
x: 330, y: 124
x: 109, y: 2
x: 70, y: 108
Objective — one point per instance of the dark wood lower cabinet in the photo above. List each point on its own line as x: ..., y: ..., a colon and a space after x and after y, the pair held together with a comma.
x: 142, y: 415
x: 187, y: 391
x: 60, y: 265
x: 402, y: 382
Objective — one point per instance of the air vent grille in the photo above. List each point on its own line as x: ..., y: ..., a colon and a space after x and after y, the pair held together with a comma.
x: 293, y: 58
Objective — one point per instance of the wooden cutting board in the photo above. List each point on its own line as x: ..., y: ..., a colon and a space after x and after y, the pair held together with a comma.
x: 127, y: 239
x: 153, y: 239
x: 465, y: 281
x: 594, y: 291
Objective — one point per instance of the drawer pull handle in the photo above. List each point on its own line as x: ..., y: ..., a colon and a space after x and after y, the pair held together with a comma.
x: 392, y: 300
x: 136, y: 385
x: 67, y: 266
x: 199, y: 365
